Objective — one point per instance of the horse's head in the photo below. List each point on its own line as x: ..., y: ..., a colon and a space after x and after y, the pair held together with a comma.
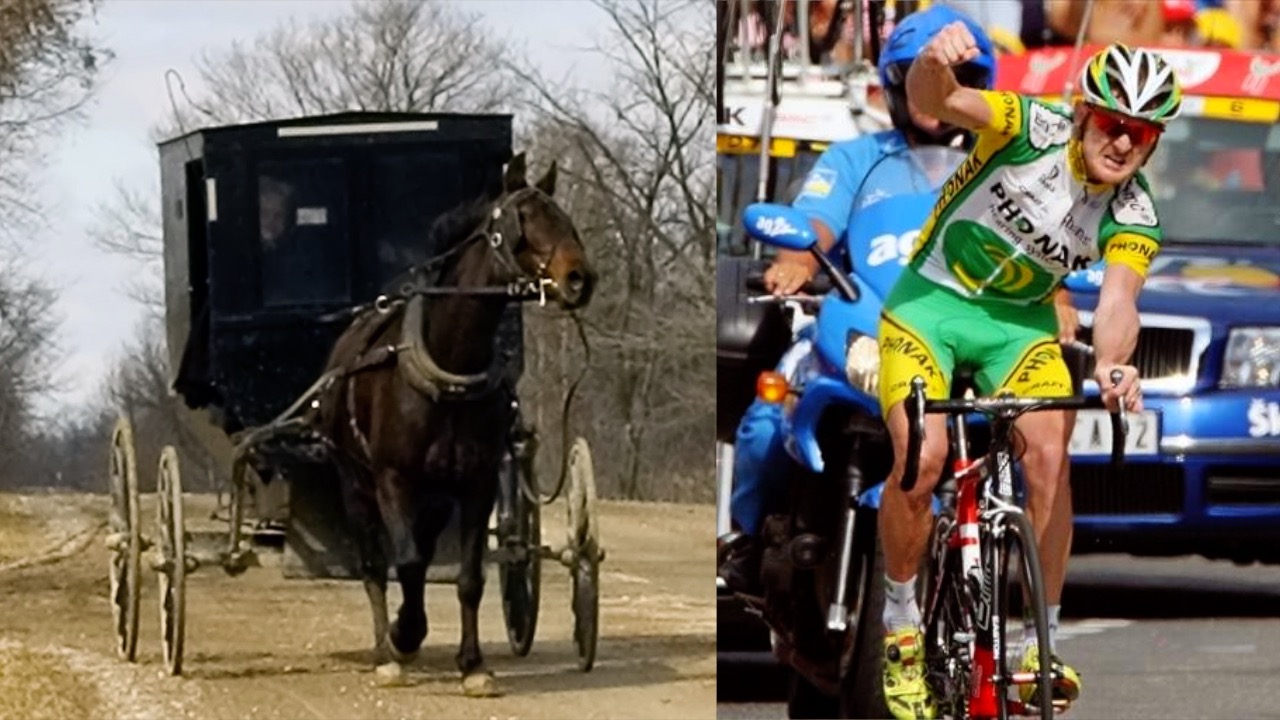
x: 547, y: 246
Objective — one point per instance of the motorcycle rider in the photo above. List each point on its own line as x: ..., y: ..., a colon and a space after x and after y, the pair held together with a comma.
x: 827, y: 197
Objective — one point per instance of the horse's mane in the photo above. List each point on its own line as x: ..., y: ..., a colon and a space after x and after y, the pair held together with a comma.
x: 457, y: 224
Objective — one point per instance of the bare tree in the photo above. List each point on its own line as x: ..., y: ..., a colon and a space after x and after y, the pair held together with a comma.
x: 391, y: 56
x: 638, y: 156
x: 129, y: 226
x: 27, y: 352
x: 47, y: 71
x: 48, y: 66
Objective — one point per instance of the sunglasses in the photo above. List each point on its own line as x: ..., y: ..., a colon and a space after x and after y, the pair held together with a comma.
x: 1113, y: 125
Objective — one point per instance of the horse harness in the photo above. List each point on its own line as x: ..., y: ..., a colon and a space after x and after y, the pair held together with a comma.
x: 410, y: 354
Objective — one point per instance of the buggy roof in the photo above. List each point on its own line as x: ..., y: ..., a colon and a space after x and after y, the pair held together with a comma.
x: 353, y: 121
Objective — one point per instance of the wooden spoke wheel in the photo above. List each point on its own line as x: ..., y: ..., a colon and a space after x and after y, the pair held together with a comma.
x: 520, y: 573
x: 124, y: 540
x: 172, y: 572
x: 584, y: 544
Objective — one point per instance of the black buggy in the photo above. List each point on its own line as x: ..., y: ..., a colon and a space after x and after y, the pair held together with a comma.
x: 273, y: 233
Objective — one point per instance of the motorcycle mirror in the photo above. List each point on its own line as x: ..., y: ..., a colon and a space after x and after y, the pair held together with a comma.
x: 779, y: 225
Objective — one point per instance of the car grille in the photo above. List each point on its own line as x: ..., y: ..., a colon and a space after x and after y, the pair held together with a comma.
x: 1162, y: 353
x: 1242, y: 485
x: 1136, y: 489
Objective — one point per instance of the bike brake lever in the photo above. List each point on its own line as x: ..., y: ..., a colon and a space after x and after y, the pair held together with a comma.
x: 1119, y: 424
x: 915, y: 433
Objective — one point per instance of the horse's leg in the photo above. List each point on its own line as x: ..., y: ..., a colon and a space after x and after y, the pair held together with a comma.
x: 410, y: 626
x: 475, y: 508
x: 364, y: 526
x: 411, y: 552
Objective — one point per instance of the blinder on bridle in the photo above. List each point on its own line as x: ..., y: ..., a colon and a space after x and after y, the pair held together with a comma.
x: 505, y: 222
x: 503, y: 230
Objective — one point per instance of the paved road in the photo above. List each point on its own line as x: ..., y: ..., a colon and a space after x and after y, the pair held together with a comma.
x: 1168, y: 639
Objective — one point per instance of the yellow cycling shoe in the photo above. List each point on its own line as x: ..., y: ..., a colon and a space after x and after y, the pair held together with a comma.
x: 906, y: 693
x: 1066, y: 681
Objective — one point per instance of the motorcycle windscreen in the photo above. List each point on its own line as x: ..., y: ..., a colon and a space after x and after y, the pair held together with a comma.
x: 888, y: 212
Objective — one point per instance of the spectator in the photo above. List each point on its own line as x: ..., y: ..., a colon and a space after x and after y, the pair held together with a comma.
x: 1133, y: 22
x: 1218, y: 28
x: 1002, y: 19
x: 1179, y: 22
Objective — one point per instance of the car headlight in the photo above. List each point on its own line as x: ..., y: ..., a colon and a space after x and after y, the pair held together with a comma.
x: 1252, y: 359
x: 862, y: 363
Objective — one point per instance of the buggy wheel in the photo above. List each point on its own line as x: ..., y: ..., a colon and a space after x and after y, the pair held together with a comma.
x: 520, y: 573
x: 584, y: 543
x: 124, y: 540
x: 173, y: 569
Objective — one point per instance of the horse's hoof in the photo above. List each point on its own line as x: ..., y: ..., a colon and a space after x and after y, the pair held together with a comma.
x: 390, y: 675
x: 480, y: 685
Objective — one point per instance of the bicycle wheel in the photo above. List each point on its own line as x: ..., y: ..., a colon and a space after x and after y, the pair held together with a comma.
x: 1015, y: 540
x: 948, y: 624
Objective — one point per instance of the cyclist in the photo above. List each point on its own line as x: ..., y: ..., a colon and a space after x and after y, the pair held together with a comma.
x: 1043, y: 192
x: 827, y: 196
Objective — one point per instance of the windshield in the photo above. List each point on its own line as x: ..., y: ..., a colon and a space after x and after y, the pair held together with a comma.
x: 737, y: 177
x: 1218, y: 181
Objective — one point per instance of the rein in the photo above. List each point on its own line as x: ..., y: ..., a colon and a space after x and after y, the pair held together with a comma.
x: 535, y: 495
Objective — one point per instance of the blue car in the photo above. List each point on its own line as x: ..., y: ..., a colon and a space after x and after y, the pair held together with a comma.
x: 1202, y: 472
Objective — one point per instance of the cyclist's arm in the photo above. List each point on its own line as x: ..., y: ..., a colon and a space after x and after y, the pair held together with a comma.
x: 1115, y: 324
x: 932, y: 85
x: 1068, y: 316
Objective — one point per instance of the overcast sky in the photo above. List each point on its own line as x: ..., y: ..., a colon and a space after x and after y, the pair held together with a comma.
x: 151, y: 36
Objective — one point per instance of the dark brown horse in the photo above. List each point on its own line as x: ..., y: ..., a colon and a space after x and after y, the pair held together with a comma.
x: 419, y: 414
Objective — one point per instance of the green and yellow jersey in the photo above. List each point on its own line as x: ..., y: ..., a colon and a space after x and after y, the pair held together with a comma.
x: 1018, y: 214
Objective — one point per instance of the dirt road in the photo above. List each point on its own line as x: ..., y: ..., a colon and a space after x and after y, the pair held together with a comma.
x: 261, y: 646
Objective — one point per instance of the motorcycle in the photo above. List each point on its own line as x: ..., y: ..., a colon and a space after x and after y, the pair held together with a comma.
x: 819, y: 568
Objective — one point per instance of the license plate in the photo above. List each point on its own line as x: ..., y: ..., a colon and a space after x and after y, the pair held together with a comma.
x: 1092, y: 433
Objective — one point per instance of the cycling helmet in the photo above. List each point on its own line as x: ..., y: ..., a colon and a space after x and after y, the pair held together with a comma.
x: 1134, y: 82
x: 909, y: 38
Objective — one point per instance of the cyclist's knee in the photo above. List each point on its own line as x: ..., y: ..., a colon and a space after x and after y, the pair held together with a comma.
x: 933, y: 456
x: 1044, y: 460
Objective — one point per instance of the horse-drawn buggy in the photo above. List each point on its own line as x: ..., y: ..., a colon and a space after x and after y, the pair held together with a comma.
x: 344, y: 299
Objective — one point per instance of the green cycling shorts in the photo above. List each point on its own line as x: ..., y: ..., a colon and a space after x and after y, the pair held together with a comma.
x: 928, y: 330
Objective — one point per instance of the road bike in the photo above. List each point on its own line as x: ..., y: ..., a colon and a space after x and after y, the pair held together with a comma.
x: 980, y: 531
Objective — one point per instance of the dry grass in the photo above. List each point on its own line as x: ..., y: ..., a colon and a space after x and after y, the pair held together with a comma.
x: 22, y: 530
x: 36, y: 686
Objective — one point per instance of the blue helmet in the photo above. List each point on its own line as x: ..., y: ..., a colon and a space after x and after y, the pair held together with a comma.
x: 914, y: 32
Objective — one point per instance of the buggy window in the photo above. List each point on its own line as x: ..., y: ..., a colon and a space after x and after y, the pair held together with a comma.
x: 406, y: 193
x: 305, y: 254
